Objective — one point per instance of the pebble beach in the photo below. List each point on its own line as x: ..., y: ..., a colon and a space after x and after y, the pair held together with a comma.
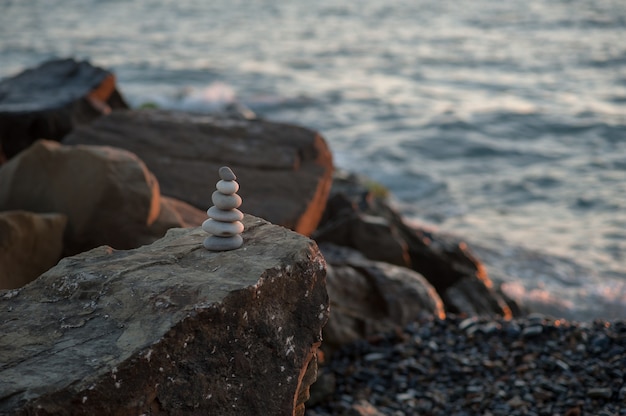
x: 474, y: 366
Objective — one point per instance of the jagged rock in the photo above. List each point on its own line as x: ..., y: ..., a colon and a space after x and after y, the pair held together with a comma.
x: 46, y: 102
x: 373, y: 236
x: 168, y: 329
x: 478, y: 299
x: 445, y: 261
x: 108, y: 195
x: 285, y: 171
x: 368, y: 298
x: 29, y: 245
x: 449, y: 265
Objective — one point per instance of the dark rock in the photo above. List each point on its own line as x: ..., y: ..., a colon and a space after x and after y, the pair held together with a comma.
x: 107, y: 194
x: 445, y: 261
x: 29, y: 245
x: 373, y: 236
x: 536, y: 318
x: 47, y: 102
x: 475, y: 297
x: 323, y: 387
x: 168, y: 328
x: 600, y: 393
x: 363, y: 408
x: 285, y: 171
x: 449, y: 265
x: 622, y: 394
x: 368, y: 297
x: 532, y: 331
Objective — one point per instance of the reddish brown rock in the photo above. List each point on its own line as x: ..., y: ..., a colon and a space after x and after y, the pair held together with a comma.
x: 285, y: 171
x: 168, y: 329
x: 46, y: 102
x: 107, y: 194
x: 175, y: 214
x: 30, y: 244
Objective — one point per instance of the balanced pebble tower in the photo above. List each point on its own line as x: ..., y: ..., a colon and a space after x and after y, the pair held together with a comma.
x: 224, y: 223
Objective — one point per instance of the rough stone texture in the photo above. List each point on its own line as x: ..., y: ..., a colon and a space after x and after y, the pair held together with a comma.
x: 108, y: 195
x: 450, y: 266
x: 285, y: 171
x: 478, y: 299
x: 48, y: 101
x: 369, y: 298
x: 445, y: 261
x: 29, y: 245
x: 168, y: 329
x: 373, y: 236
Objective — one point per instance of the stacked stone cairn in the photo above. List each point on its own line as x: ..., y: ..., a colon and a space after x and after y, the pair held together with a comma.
x: 224, y: 223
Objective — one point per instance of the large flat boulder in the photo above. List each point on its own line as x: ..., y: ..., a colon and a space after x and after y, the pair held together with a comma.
x: 285, y: 171
x: 46, y: 102
x: 30, y: 244
x: 168, y: 329
x: 108, y: 195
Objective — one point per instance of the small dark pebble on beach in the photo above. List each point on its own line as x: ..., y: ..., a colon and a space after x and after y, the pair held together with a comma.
x: 480, y: 366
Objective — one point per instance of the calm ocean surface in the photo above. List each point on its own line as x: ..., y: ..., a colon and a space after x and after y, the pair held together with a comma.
x: 501, y: 122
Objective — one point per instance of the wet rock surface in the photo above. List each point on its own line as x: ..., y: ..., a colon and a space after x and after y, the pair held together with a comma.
x: 474, y: 366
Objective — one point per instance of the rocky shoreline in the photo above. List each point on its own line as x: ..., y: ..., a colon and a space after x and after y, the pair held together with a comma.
x: 478, y: 366
x: 122, y: 177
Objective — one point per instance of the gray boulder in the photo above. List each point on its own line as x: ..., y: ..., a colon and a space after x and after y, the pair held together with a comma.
x: 369, y: 298
x: 285, y: 171
x: 168, y: 328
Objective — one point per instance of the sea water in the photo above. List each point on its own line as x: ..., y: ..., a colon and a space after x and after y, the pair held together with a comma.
x: 501, y: 122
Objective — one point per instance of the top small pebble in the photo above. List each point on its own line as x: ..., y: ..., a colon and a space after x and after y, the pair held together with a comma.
x: 227, y: 174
